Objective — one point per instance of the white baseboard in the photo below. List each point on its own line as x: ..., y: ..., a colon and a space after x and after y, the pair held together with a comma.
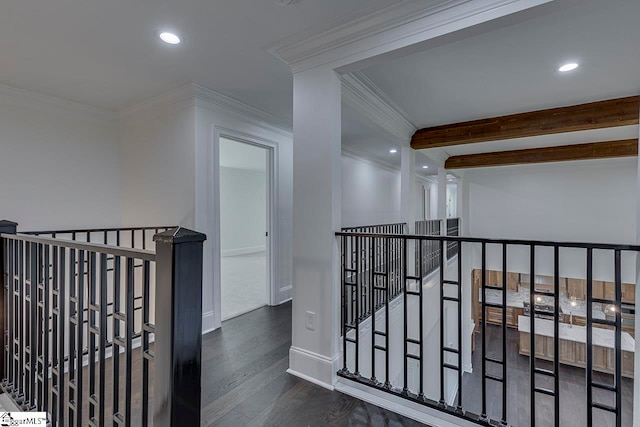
x: 313, y: 367
x: 208, y: 323
x: 285, y: 294
x: 397, y: 404
x: 244, y: 251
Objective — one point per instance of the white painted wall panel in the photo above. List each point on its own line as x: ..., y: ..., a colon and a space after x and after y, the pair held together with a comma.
x: 58, y: 168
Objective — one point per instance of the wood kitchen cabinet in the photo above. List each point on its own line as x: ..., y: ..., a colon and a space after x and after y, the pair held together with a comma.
x: 629, y: 293
x: 575, y: 354
x: 576, y: 288
x: 513, y: 279
x: 597, y: 289
x: 494, y: 316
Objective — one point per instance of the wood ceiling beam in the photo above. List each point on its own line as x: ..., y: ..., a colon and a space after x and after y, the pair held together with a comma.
x: 596, y: 150
x: 595, y: 115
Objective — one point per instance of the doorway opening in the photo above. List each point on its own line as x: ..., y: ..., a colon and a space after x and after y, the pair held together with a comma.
x: 245, y: 200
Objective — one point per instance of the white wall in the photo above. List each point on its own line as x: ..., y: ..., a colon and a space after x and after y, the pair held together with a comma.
x: 158, y: 158
x: 59, y: 163
x: 587, y: 201
x: 243, y: 211
x: 370, y: 193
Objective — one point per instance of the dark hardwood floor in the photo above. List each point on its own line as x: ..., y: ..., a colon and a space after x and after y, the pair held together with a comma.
x: 244, y: 382
x: 573, y: 407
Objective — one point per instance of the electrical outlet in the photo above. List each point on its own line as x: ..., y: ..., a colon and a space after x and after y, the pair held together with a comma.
x: 310, y: 320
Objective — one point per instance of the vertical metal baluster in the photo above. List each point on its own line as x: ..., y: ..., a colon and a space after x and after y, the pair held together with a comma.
x: 80, y: 337
x: 32, y: 324
x: 105, y: 238
x: 129, y: 295
x: 532, y: 335
x: 55, y: 339
x: 73, y: 312
x: 144, y: 238
x: 116, y: 338
x: 372, y: 285
x: 387, y: 332
x: 91, y: 332
x: 405, y: 389
x: 442, y: 401
x: 618, y: 338
x: 460, y: 370
x: 343, y: 258
x: 133, y: 238
x: 146, y: 299
x: 9, y: 313
x: 589, y: 370
x: 44, y: 403
x: 357, y: 310
x: 504, y: 333
x: 102, y: 395
x: 421, y: 326
x: 22, y: 339
x: 483, y: 415
x: 556, y: 335
x: 61, y: 334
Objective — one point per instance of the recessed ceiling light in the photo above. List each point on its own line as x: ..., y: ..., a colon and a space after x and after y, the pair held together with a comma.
x: 568, y: 67
x: 425, y: 167
x: 169, y: 38
x: 393, y: 150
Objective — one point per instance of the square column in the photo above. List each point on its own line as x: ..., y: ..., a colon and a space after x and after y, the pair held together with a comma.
x: 317, y: 187
x: 408, y: 187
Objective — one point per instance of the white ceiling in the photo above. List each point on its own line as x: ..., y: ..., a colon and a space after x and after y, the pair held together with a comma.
x: 106, y: 53
x: 513, y: 69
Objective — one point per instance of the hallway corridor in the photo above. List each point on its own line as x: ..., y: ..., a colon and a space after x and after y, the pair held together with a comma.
x: 244, y: 382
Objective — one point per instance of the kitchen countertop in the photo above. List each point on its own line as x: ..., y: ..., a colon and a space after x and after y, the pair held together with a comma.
x: 515, y: 299
x: 601, y: 337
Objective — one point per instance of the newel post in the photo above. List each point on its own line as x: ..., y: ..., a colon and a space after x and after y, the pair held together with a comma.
x: 178, y: 328
x: 7, y: 227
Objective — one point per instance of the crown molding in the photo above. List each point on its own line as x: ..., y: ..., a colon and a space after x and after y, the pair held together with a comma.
x: 361, y: 93
x: 371, y: 160
x: 13, y: 96
x: 245, y: 111
x: 171, y: 100
x: 394, y: 27
x: 193, y: 94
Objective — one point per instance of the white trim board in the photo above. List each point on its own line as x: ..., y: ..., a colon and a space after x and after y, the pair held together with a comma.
x: 192, y: 94
x: 362, y: 94
x: 323, y: 368
x: 415, y: 411
x: 359, y: 38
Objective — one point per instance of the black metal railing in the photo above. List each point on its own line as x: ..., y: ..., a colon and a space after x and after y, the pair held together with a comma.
x: 429, y: 255
x: 130, y: 237
x: 362, y: 264
x: 394, y: 228
x: 453, y: 229
x: 391, y: 354
x: 75, y: 346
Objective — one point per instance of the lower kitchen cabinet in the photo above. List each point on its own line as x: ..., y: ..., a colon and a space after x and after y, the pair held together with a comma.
x: 575, y: 354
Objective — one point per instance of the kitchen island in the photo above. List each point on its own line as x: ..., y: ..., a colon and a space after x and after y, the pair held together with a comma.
x: 572, y: 343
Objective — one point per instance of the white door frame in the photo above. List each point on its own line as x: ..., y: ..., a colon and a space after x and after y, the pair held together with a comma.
x: 272, y: 211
